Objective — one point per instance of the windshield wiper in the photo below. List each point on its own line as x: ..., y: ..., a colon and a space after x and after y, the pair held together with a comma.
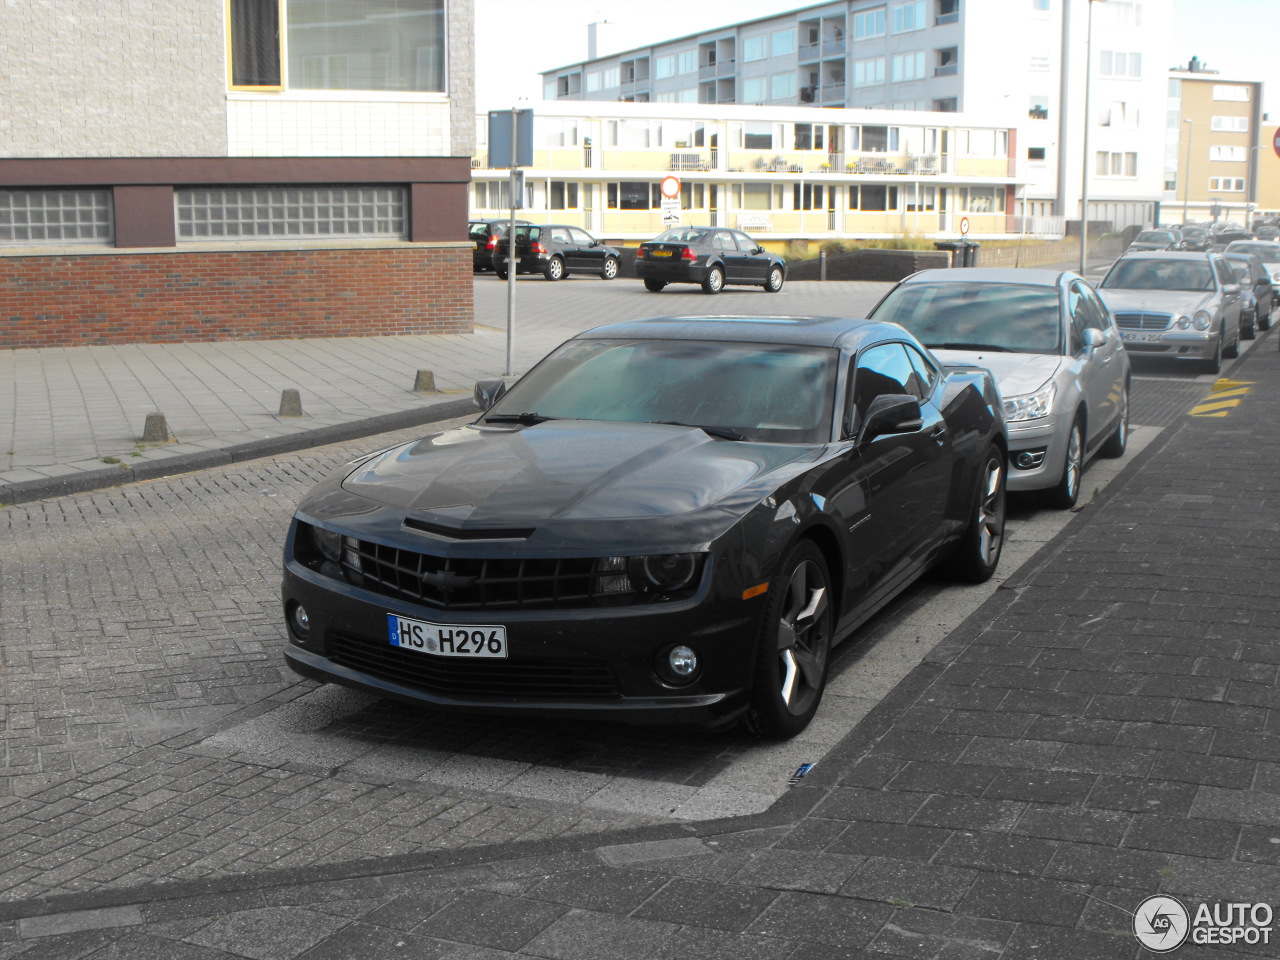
x: 723, y: 432
x: 526, y: 418
x: 969, y: 346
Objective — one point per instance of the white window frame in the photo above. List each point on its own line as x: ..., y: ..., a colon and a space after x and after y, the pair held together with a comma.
x: 750, y: 54
x: 1229, y: 124
x: 1229, y: 154
x: 908, y: 17
x: 1227, y: 184
x: 1232, y: 92
x: 874, y: 65
x: 869, y: 24
x: 902, y: 61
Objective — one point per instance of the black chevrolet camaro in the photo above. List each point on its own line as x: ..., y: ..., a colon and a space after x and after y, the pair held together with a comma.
x: 665, y: 521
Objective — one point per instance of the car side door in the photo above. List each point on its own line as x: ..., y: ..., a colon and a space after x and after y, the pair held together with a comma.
x: 725, y: 248
x: 755, y: 266
x: 589, y: 255
x: 1102, y: 370
x: 1231, y: 302
x: 906, y: 474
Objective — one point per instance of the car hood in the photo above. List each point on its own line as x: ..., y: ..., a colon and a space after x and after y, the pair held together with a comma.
x: 566, y: 481
x: 1015, y: 373
x: 1158, y: 301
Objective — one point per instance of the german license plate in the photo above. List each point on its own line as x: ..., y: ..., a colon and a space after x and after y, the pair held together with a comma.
x: 662, y: 253
x: 448, y: 639
x: 1142, y: 337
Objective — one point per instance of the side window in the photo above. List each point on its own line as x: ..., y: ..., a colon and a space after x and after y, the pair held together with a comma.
x: 745, y: 243
x: 724, y: 241
x: 883, y: 369
x: 581, y: 237
x: 1087, y: 305
x: 560, y: 235
x: 926, y: 373
x: 1224, y: 272
x: 1105, y: 321
x: 1077, y: 315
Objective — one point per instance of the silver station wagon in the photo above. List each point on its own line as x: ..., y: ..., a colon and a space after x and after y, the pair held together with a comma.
x: 1184, y: 306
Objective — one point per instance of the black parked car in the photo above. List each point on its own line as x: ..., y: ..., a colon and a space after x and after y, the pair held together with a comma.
x: 556, y: 250
x: 484, y: 235
x: 711, y: 256
x: 1160, y: 239
x: 1195, y: 237
x: 1224, y: 232
x: 1256, y: 292
x: 665, y: 521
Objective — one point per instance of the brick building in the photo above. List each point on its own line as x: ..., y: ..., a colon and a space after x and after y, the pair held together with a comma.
x: 232, y: 169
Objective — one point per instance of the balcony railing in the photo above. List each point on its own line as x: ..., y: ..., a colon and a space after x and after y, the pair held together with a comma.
x: 947, y: 70
x: 832, y: 91
x: 947, y: 18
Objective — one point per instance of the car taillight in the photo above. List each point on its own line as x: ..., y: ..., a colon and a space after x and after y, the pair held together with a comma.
x: 688, y: 254
x: 538, y: 247
x: 640, y: 253
x: 493, y: 242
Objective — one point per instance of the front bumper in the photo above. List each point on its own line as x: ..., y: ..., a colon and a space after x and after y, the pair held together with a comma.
x: 1042, y: 442
x: 597, y: 662
x: 1175, y: 344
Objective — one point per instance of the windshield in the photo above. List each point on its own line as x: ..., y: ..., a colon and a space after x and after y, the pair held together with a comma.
x: 957, y: 316
x: 1193, y: 231
x: 773, y: 393
x: 1130, y: 274
x: 1241, y: 269
x: 1152, y: 236
x: 681, y: 235
x: 1266, y: 252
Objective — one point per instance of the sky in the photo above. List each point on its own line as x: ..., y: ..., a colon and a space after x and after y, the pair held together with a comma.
x: 516, y: 39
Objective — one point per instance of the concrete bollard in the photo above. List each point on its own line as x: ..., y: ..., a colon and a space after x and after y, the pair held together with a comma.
x: 425, y: 382
x: 822, y: 265
x: 156, y: 429
x: 290, y: 403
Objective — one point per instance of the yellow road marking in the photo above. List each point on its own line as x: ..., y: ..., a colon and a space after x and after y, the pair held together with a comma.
x: 1223, y: 395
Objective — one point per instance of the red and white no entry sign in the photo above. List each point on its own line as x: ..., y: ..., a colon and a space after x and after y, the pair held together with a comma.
x: 670, y: 187
x: 1275, y: 142
x: 964, y: 226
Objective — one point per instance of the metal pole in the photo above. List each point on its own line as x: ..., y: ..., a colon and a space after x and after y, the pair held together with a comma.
x: 1084, y: 175
x: 1186, y: 176
x: 511, y: 249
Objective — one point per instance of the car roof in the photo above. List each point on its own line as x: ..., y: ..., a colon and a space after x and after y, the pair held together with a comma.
x: 1026, y: 278
x: 799, y: 331
x: 1201, y: 255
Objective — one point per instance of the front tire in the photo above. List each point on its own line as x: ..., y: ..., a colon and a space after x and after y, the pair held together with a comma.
x: 610, y: 268
x: 1067, y: 492
x: 976, y: 558
x: 714, y: 282
x: 774, y: 283
x: 794, y: 649
x: 1214, y: 363
x: 654, y: 286
x: 555, y: 269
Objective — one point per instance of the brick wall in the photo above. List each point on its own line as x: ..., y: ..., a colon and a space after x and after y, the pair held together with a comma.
x: 56, y: 301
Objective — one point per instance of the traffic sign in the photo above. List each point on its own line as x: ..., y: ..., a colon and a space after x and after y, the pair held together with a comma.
x: 1275, y: 142
x: 670, y: 187
x: 964, y: 226
x: 671, y: 211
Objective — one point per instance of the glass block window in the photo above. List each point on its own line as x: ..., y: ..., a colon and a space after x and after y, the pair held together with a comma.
x: 289, y: 213
x: 55, y: 216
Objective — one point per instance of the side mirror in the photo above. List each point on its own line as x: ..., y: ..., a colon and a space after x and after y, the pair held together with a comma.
x: 1094, y: 338
x: 1231, y: 288
x: 890, y: 413
x: 488, y: 392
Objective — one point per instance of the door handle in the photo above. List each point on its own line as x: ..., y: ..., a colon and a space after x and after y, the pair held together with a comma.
x: 938, y: 434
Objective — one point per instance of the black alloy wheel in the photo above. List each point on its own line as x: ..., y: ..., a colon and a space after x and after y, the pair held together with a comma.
x: 978, y: 554
x: 795, y: 646
x: 1066, y: 492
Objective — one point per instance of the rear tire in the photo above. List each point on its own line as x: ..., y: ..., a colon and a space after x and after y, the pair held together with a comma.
x: 774, y: 283
x: 654, y: 286
x: 1116, y: 443
x: 1250, y: 331
x: 794, y: 648
x: 714, y: 282
x: 501, y: 272
x: 555, y: 269
x: 610, y: 268
x: 1067, y: 492
x: 1264, y: 319
x: 978, y: 554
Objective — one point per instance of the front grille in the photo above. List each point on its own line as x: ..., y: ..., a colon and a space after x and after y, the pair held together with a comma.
x: 1142, y: 321
x: 464, y: 583
x: 455, y: 676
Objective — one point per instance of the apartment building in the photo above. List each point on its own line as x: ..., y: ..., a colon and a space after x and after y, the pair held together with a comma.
x: 1021, y: 61
x: 772, y: 171
x: 218, y: 169
x: 1217, y: 149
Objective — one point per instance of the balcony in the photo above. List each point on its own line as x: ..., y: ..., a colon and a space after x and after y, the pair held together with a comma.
x: 688, y: 161
x: 832, y: 91
x: 949, y: 70
x: 946, y: 18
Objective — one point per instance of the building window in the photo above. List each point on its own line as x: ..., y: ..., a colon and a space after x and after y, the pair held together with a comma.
x: 868, y: 24
x: 393, y: 45
x: 922, y: 199
x: 1120, y: 115
x: 1227, y: 184
x: 633, y: 195
x: 1116, y: 164
x: 873, y: 197
x: 1039, y: 4
x: 610, y: 78
x: 1039, y: 108
x: 908, y: 16
x: 1234, y: 154
x: 868, y: 72
x: 782, y: 86
x: 908, y: 66
x: 947, y: 62
x: 1231, y: 91
x: 782, y: 43
x: 808, y: 196
x: 982, y: 199
x: 1230, y: 124
x: 753, y: 48
x: 948, y: 11
x: 1113, y: 63
x: 946, y: 105
x: 757, y: 135
x: 878, y: 139
x: 757, y: 196
x: 1035, y: 153
x: 754, y: 90
x: 687, y: 62
x: 55, y: 216
x: 664, y: 67
x: 593, y: 81
x: 288, y: 213
x: 809, y: 136
x: 562, y: 195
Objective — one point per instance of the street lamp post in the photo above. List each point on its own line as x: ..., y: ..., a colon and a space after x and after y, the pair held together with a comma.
x: 1186, y: 174
x: 1084, y: 174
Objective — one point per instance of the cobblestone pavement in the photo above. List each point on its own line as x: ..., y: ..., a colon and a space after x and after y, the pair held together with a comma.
x: 1106, y: 727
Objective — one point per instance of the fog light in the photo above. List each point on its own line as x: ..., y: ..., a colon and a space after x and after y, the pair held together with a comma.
x: 679, y: 665
x: 299, y: 622
x: 1029, y: 459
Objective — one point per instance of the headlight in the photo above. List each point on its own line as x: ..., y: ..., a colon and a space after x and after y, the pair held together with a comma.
x: 327, y: 542
x: 1184, y: 323
x: 669, y: 571
x: 1202, y: 320
x: 660, y: 573
x: 1032, y: 406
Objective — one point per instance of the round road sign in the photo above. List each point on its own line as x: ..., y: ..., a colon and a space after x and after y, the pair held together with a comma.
x: 670, y: 187
x: 1275, y: 142
x: 964, y: 226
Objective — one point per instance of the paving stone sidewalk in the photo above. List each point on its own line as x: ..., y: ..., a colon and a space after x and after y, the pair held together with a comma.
x: 1105, y: 728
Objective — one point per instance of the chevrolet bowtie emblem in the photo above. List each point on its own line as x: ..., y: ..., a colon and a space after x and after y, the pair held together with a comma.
x: 446, y: 581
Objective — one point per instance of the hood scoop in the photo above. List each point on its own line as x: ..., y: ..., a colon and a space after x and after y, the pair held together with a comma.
x: 468, y: 533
